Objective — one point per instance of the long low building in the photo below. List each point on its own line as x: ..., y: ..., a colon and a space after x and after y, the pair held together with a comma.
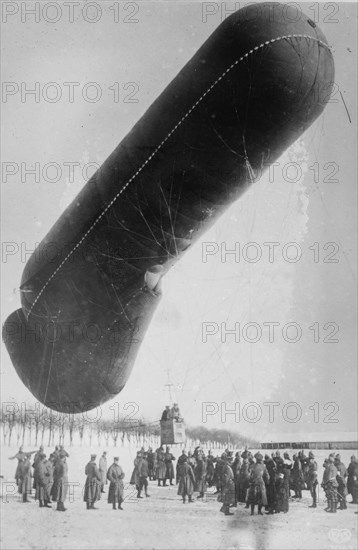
x: 343, y: 440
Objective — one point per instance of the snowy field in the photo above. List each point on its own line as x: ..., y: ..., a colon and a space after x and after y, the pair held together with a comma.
x: 162, y: 521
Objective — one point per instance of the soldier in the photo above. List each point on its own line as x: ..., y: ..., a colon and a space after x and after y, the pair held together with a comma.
x: 259, y: 477
x: 115, y: 477
x: 135, y: 474
x: 297, y: 477
x: 244, y: 480
x: 166, y: 415
x: 143, y: 476
x: 304, y: 461
x: 169, y: 469
x: 330, y: 484
x: 41, y: 475
x: 200, y: 475
x: 151, y: 471
x: 228, y: 485
x: 342, y: 485
x: 270, y: 486
x: 20, y: 456
x: 24, y: 477
x: 161, y: 466
x: 102, y: 466
x: 236, y: 470
x: 312, y: 480
x: 93, y: 484
x: 352, y: 481
x: 218, y: 474
x: 180, y: 462
x: 37, y: 460
x: 49, y: 463
x: 186, y: 480
x: 175, y: 413
x: 60, y: 485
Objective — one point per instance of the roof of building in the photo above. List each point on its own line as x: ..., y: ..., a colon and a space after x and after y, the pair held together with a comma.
x: 309, y: 437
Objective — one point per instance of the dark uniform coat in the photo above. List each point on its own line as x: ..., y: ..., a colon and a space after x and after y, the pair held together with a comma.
x: 115, y: 477
x: 259, y: 477
x: 228, y: 485
x: 60, y: 481
x: 24, y: 476
x: 93, y: 483
x: 186, y: 480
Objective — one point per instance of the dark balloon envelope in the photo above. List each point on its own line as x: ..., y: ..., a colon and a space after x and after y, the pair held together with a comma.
x: 90, y: 289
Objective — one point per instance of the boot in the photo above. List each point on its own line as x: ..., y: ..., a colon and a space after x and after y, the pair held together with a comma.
x: 190, y: 499
x: 88, y: 506
x: 139, y: 495
x: 333, y: 510
x: 158, y: 482
x: 252, y: 509
x: 146, y: 493
x: 314, y: 505
x: 259, y: 511
x: 114, y: 506
x: 227, y: 511
x: 41, y: 504
x: 183, y: 500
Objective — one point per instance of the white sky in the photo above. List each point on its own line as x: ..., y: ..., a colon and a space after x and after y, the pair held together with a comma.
x: 149, y: 53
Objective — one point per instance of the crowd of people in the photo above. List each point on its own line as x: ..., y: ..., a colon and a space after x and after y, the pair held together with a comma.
x: 246, y: 478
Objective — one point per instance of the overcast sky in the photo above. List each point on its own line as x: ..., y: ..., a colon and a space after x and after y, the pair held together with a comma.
x: 318, y: 208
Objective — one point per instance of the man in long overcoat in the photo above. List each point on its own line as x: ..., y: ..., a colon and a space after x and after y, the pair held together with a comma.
x: 259, y: 478
x: 41, y: 475
x: 115, y: 477
x: 93, y: 484
x: 200, y: 474
x: 24, y: 477
x: 342, y: 482
x: 151, y: 470
x: 161, y: 466
x: 312, y: 480
x: 227, y: 496
x: 169, y: 468
x: 60, y: 484
x: 330, y: 484
x: 186, y: 480
x: 352, y: 481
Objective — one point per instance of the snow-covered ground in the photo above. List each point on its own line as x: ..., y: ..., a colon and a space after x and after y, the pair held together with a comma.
x: 162, y: 521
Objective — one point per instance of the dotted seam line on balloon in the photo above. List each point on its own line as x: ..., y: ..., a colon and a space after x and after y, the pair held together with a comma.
x: 184, y: 117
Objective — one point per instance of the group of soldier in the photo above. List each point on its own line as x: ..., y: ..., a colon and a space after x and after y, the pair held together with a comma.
x: 252, y: 480
x: 50, y: 477
x: 267, y: 481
